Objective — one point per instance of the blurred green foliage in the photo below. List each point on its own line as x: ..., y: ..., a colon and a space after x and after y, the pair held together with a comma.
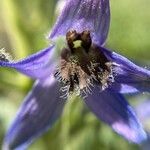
x: 23, y: 27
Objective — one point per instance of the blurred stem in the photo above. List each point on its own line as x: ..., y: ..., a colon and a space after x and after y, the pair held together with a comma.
x: 66, y: 124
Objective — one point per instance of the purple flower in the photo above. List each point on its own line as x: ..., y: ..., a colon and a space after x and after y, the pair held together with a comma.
x: 84, y: 67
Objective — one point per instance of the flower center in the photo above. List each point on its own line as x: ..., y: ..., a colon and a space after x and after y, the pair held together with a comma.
x: 83, y: 65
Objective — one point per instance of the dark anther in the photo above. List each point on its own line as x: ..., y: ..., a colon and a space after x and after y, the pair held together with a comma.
x: 65, y: 54
x: 71, y: 36
x: 86, y: 40
x: 83, y: 37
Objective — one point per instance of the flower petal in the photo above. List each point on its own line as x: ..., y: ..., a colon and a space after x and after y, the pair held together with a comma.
x: 113, y: 109
x: 146, y: 145
x: 38, y: 65
x: 143, y: 111
x: 80, y: 15
x: 129, y: 78
x: 41, y: 108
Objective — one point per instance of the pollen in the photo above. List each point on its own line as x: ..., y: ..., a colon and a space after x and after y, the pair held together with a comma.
x: 83, y: 65
x: 77, y: 44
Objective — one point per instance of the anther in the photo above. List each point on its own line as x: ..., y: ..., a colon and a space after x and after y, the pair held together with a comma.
x: 83, y: 65
x: 86, y: 40
x: 72, y: 36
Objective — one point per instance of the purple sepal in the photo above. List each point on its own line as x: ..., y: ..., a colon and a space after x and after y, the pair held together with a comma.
x: 38, y: 65
x: 129, y: 78
x: 113, y: 109
x: 81, y: 15
x: 41, y: 108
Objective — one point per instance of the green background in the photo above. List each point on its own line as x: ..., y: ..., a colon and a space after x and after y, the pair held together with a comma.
x: 24, y: 25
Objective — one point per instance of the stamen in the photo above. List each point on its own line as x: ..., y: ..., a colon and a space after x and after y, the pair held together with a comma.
x: 82, y: 66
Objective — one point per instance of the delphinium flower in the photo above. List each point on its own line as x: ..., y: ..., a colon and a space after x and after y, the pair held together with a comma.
x: 82, y: 67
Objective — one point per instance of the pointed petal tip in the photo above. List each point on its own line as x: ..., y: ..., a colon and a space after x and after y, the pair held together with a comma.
x: 5, y: 146
x: 138, y: 135
x: 114, y: 110
x: 8, y: 146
